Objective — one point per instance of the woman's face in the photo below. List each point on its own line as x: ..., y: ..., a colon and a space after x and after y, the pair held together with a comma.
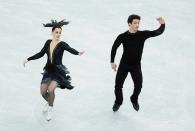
x: 56, y: 33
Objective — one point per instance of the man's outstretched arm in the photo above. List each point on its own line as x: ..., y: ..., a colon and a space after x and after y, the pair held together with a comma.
x: 157, y: 32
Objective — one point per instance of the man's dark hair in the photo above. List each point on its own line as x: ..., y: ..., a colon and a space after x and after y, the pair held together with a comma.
x: 131, y: 17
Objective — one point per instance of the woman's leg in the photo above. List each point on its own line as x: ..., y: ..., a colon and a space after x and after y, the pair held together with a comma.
x: 51, y: 92
x: 43, y: 90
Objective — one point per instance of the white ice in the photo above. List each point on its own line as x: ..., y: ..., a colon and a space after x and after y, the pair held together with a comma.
x: 167, y: 100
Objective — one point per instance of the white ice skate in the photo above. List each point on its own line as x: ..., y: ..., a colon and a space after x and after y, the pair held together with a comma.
x: 45, y: 108
x: 49, y: 113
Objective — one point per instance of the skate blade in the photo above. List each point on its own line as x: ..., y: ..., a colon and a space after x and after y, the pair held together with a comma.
x: 48, y: 120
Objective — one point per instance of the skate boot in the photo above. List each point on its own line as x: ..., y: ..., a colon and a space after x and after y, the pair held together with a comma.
x: 49, y: 113
x: 135, y: 104
x: 45, y: 108
x: 115, y: 107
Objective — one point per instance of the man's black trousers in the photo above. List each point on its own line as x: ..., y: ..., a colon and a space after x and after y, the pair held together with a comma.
x: 136, y: 75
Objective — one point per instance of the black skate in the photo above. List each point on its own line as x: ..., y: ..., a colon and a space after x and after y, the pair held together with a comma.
x: 135, y: 104
x: 115, y: 107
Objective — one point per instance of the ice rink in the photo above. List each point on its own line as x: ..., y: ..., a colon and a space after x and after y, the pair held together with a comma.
x: 167, y: 100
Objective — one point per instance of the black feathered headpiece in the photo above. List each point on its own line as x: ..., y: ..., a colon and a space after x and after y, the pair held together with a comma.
x: 54, y: 23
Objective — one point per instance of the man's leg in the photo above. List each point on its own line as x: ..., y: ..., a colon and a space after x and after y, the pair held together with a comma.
x: 136, y: 75
x: 120, y: 78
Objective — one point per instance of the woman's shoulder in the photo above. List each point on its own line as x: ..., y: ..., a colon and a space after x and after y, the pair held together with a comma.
x: 48, y: 41
x: 63, y: 43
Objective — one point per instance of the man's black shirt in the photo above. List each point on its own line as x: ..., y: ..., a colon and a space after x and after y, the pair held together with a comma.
x: 133, y: 44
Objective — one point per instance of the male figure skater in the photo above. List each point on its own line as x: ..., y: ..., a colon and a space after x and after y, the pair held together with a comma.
x: 133, y: 43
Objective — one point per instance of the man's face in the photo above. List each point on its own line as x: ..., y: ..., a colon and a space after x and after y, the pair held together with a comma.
x: 134, y: 25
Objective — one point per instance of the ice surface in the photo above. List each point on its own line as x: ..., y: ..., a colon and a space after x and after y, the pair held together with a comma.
x: 167, y: 100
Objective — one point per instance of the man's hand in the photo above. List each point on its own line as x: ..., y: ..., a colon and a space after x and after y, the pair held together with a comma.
x: 113, y: 65
x: 160, y: 20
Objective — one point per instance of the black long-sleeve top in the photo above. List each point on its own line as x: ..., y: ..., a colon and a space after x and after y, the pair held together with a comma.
x: 133, y: 44
x: 57, y: 53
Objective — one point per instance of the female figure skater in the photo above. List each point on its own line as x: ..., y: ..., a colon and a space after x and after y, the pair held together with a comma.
x: 55, y: 73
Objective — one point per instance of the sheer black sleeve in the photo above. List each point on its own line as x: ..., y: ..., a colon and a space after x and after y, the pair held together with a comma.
x: 69, y: 49
x: 41, y: 53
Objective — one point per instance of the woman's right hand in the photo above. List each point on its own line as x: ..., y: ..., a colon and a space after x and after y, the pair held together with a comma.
x: 113, y: 65
x: 81, y: 53
x: 24, y: 62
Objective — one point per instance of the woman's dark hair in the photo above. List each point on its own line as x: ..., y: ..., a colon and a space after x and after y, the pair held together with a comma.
x: 54, y: 24
x: 53, y: 28
x: 131, y: 17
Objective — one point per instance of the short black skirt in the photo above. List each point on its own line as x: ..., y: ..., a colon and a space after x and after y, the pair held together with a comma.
x: 60, y: 75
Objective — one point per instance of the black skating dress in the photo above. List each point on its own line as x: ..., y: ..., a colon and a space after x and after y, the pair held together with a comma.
x: 54, y: 69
